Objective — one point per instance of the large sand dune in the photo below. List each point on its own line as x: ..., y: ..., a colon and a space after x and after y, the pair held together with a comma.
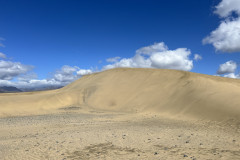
x: 171, y: 92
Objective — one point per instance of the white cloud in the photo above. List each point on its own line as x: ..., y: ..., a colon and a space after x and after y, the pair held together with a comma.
x: 157, y: 56
x: 82, y: 72
x: 172, y: 59
x: 232, y: 75
x: 138, y: 61
x: 10, y: 70
x: 2, y: 55
x: 156, y: 47
x: 227, y: 67
x: 65, y: 74
x: 226, y: 7
x: 226, y: 37
x: 113, y: 59
x: 197, y: 57
x: 68, y: 74
x: 61, y: 77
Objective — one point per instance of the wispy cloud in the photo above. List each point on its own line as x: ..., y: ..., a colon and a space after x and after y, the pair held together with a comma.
x: 1, y: 44
x: 113, y: 59
x: 197, y: 57
x: 2, y: 55
x: 82, y: 72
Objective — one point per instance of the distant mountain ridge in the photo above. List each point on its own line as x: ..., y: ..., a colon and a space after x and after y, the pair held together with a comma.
x: 9, y: 89
x: 12, y: 89
x: 41, y: 88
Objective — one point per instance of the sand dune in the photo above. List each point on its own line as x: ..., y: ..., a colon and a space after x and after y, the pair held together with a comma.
x: 170, y: 92
x: 125, y: 114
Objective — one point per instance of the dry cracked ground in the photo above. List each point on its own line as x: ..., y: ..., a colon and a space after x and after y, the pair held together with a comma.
x: 71, y: 135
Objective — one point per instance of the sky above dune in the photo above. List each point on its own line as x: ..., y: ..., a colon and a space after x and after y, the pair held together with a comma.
x: 54, y: 42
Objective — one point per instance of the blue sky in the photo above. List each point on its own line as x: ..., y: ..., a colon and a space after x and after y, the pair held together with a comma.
x: 54, y: 39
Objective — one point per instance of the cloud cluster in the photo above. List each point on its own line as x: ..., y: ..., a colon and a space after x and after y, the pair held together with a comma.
x: 28, y: 80
x: 228, y: 69
x: 61, y: 77
x: 226, y: 38
x: 10, y: 70
x: 65, y: 74
x: 156, y: 56
x: 156, y: 47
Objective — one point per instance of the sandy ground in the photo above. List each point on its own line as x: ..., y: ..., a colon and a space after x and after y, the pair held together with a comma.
x: 72, y: 134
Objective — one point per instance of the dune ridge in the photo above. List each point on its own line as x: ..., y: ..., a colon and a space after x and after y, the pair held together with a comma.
x: 171, y: 92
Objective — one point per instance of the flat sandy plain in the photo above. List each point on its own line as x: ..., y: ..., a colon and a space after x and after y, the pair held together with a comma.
x: 125, y: 114
x: 104, y: 135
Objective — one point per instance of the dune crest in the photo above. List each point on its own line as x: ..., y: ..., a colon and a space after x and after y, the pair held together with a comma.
x: 172, y: 92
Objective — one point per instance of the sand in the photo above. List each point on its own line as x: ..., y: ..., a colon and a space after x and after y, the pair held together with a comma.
x: 125, y: 114
x: 106, y: 135
x: 170, y: 92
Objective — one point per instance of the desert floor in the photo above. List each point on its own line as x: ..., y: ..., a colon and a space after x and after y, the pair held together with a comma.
x: 72, y: 134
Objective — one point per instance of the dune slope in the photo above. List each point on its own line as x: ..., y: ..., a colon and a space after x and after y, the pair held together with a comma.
x: 171, y: 92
